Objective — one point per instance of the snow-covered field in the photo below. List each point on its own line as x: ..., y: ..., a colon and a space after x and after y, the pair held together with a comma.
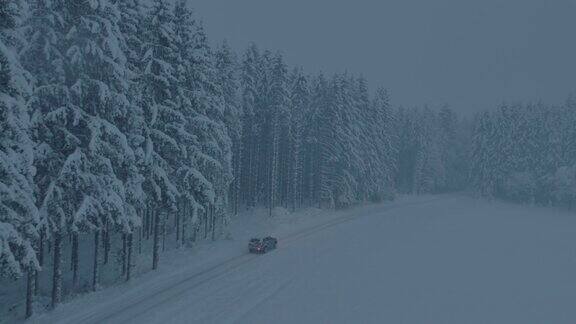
x: 431, y: 259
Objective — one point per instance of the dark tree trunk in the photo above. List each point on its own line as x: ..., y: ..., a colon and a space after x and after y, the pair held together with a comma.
x: 205, y: 224
x: 148, y: 228
x: 213, y: 216
x: 270, y: 206
x: 177, y: 220
x: 74, y: 257
x: 57, y: 273
x: 96, y: 270
x: 156, y: 246
x: 237, y: 184
x: 152, y: 223
x: 129, y: 256
x: 40, y: 262
x: 106, y: 239
x: 124, y: 253
x: 30, y: 292
x: 164, y: 235
x: 184, y: 223
x: 144, y: 227
x: 140, y: 240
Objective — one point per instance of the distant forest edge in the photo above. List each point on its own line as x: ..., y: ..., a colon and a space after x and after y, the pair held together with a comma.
x: 119, y: 120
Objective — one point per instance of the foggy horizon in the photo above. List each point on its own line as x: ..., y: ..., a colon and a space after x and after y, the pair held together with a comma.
x: 472, y: 56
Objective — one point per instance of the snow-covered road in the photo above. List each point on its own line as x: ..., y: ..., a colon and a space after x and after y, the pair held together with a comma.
x: 441, y: 260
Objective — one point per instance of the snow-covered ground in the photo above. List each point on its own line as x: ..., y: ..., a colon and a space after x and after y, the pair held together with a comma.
x: 442, y: 259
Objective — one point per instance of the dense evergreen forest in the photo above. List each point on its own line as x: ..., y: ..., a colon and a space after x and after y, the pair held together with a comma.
x: 122, y: 128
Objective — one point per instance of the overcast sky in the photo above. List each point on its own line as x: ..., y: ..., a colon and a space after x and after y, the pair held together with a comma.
x: 471, y: 54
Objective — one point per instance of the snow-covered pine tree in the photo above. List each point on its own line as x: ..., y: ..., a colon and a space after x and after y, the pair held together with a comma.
x: 404, y: 129
x: 227, y: 79
x: 349, y: 166
x: 18, y: 212
x: 316, y: 126
x: 198, y: 193
x: 164, y: 118
x: 251, y: 72
x: 362, y: 129
x: 48, y: 107
x: 384, y: 142
x: 429, y: 172
x: 263, y: 134
x: 188, y: 175
x: 95, y: 49
x: 420, y: 162
x: 519, y: 154
x: 560, y: 185
x: 390, y: 142
x: 214, y: 137
x: 299, y: 106
x: 494, y: 153
x: 567, y: 131
x: 453, y: 149
x: 278, y: 127
x: 482, y: 156
x: 130, y: 25
x: 329, y: 138
x: 339, y: 185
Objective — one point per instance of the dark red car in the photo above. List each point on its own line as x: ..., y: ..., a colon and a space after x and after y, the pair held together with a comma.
x: 264, y: 245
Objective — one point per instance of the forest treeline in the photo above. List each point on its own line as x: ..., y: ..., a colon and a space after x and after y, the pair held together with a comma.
x: 526, y: 154
x: 119, y: 120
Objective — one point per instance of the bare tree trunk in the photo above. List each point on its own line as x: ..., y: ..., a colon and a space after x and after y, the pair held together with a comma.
x: 235, y: 193
x: 156, y: 246
x: 106, y: 238
x: 178, y: 213
x: 75, y: 277
x: 129, y: 257
x: 30, y: 291
x: 185, y: 221
x: 147, y: 227
x: 124, y: 253
x: 57, y: 274
x: 152, y: 222
x: 96, y: 270
x: 213, y: 216
x: 205, y: 219
x: 71, y: 254
x: 140, y: 240
x: 40, y: 261
x: 164, y: 235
